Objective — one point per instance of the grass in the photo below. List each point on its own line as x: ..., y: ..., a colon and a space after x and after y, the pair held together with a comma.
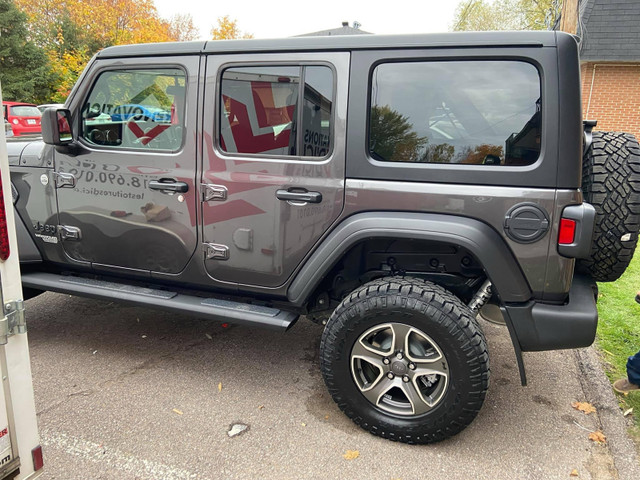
x: 618, y: 334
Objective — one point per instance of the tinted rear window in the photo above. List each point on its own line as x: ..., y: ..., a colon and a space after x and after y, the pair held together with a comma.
x: 25, y: 111
x: 459, y: 112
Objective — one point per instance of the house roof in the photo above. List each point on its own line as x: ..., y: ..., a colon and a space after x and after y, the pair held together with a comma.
x: 344, y: 30
x: 610, y: 30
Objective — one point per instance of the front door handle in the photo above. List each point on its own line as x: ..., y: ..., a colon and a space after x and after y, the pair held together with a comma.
x: 168, y: 185
x: 299, y: 196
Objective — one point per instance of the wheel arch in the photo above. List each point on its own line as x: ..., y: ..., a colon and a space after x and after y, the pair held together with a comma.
x: 477, y: 237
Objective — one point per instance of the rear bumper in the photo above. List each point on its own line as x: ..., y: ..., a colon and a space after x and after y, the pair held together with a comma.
x: 539, y: 326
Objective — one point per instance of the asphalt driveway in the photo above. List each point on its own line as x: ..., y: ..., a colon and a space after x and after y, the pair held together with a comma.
x: 125, y: 393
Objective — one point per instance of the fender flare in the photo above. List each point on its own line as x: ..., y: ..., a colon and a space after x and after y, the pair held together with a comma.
x: 479, y: 238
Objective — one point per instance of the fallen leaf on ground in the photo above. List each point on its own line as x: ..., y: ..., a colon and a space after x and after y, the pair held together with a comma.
x: 351, y: 455
x: 574, y: 473
x: 303, y: 424
x: 585, y: 407
x: 261, y: 407
x: 326, y: 417
x: 237, y: 429
x: 178, y: 411
x: 597, y: 437
x: 627, y: 412
x: 220, y: 387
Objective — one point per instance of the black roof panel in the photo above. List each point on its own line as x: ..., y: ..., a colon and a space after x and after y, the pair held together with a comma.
x: 349, y: 42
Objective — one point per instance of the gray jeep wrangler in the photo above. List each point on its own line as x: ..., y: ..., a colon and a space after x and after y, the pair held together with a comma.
x: 387, y: 187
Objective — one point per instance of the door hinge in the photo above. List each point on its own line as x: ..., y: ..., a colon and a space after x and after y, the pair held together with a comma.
x: 212, y: 192
x: 69, y: 233
x: 64, y: 180
x: 12, y: 322
x: 214, y: 251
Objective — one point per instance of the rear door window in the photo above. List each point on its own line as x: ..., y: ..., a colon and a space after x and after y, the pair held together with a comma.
x: 457, y: 112
x: 261, y: 112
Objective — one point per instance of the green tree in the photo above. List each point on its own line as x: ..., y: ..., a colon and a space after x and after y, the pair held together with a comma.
x: 24, y: 68
x: 391, y: 136
x: 506, y: 14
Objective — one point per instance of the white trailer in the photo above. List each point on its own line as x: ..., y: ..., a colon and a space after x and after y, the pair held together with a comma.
x: 20, y: 451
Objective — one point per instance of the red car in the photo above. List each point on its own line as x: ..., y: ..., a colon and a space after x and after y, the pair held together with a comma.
x: 23, y: 117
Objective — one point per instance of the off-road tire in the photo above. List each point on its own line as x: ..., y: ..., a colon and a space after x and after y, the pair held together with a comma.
x: 436, y: 312
x: 611, y: 183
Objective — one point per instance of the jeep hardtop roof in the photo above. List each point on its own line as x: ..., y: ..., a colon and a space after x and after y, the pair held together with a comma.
x: 346, y: 42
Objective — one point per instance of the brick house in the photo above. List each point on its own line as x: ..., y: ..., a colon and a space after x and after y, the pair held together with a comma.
x: 610, y: 56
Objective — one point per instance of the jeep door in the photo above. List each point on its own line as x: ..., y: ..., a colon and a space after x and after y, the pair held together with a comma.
x: 126, y: 197
x: 273, y: 161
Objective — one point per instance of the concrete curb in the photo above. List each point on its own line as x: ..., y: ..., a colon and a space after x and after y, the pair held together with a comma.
x: 598, y: 392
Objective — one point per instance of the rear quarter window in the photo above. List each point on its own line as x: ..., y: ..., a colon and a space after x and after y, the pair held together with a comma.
x: 457, y: 112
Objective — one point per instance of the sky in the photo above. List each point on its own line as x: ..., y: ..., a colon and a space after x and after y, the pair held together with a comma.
x: 271, y: 19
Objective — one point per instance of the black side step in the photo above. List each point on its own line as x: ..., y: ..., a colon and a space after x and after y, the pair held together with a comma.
x: 211, y: 308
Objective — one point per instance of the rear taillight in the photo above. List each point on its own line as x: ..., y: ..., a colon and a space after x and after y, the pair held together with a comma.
x: 4, y: 231
x: 567, y: 231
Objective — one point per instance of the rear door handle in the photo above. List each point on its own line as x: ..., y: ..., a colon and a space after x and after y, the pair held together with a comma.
x: 298, y: 196
x: 168, y: 185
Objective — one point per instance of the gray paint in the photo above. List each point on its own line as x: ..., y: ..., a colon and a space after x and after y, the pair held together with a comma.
x: 478, y: 192
x: 27, y: 249
x: 610, y: 31
x: 486, y: 204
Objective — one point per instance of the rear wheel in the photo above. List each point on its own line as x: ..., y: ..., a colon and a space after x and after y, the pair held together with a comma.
x: 611, y: 183
x: 406, y: 360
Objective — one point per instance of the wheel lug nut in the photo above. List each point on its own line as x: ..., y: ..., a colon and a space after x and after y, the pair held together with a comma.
x: 405, y: 379
x: 386, y: 361
x: 412, y: 366
x: 390, y: 376
x: 399, y: 356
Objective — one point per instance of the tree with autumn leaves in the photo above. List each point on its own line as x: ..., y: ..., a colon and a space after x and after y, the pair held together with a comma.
x: 24, y: 68
x: 69, y: 32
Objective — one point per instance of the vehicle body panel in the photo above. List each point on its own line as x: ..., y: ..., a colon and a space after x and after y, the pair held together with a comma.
x: 269, y: 237
x: 113, y: 194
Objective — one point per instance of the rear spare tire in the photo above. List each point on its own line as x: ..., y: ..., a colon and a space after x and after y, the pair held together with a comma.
x: 611, y: 183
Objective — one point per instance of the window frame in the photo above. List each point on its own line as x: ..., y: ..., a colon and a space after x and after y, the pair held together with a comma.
x: 219, y: 109
x: 561, y: 117
x: 132, y: 67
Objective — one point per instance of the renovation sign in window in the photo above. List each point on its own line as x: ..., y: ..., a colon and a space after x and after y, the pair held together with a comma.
x: 136, y: 109
x: 261, y: 111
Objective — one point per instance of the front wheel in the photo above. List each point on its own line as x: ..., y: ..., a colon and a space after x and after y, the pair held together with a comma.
x: 406, y: 360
